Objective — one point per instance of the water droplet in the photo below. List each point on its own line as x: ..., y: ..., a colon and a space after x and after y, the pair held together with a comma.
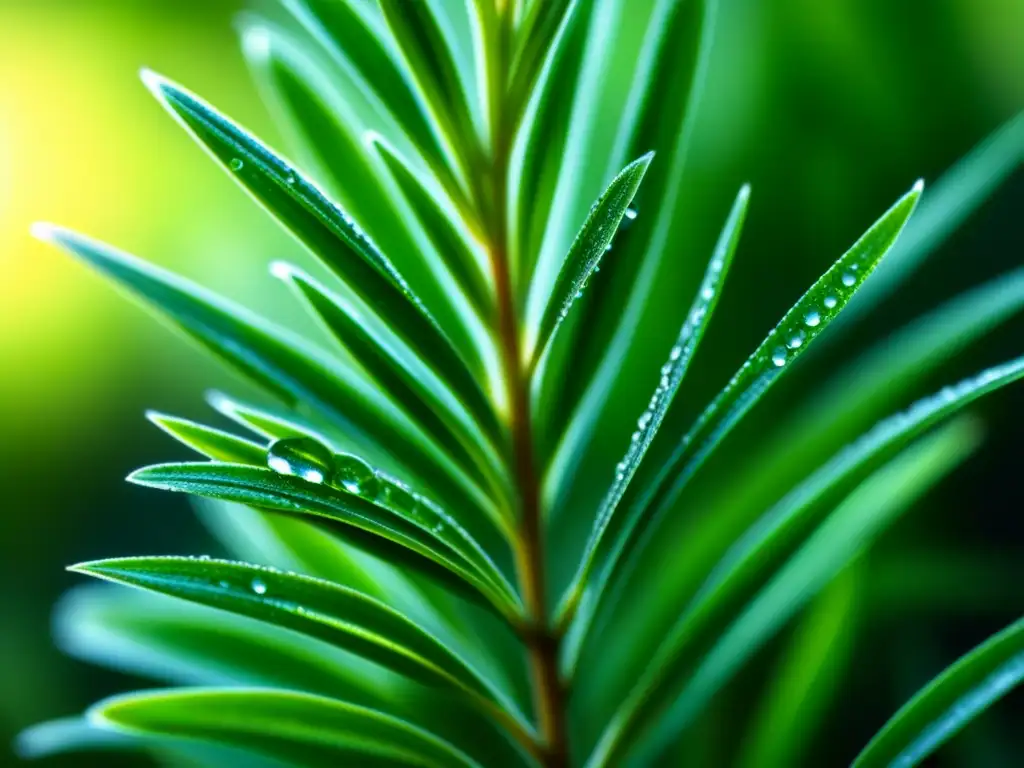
x: 203, y: 557
x: 354, y: 475
x: 716, y: 265
x: 796, y: 340
x: 236, y: 164
x: 291, y: 179
x: 830, y: 302
x: 607, y: 248
x: 779, y: 357
x: 707, y: 294
x: 579, y: 294
x: 812, y: 318
x: 676, y: 353
x: 224, y: 585
x: 302, y: 457
x: 644, y: 420
x: 631, y: 213
x: 259, y: 587
x: 848, y: 279
x: 635, y: 437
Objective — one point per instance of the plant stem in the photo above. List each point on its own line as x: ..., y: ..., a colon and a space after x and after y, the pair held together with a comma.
x: 541, y: 642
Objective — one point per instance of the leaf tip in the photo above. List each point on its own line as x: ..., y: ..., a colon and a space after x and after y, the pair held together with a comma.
x: 256, y: 41
x: 47, y: 232
x: 282, y: 270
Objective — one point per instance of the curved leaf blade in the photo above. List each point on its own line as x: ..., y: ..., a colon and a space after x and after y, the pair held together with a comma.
x: 949, y: 702
x: 411, y: 536
x: 343, y: 617
x: 213, y: 443
x: 286, y: 725
x: 586, y: 251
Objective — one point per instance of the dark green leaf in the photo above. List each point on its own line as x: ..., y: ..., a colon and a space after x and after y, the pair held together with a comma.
x: 949, y: 702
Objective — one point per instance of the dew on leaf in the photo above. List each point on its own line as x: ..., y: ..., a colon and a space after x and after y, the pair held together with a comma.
x: 812, y: 318
x: 236, y: 164
x: 302, y: 457
x: 830, y: 302
x: 354, y: 475
x: 848, y: 279
x: 631, y: 213
x: 779, y: 357
x: 796, y: 340
x: 259, y: 587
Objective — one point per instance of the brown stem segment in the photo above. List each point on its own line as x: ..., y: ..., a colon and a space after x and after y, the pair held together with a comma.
x: 541, y: 641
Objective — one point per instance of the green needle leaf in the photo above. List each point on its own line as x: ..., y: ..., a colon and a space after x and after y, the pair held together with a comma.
x: 212, y: 443
x: 672, y: 374
x: 328, y: 232
x: 949, y: 702
x: 317, y: 608
x: 808, y: 318
x: 411, y: 532
x: 585, y: 254
x: 295, y: 727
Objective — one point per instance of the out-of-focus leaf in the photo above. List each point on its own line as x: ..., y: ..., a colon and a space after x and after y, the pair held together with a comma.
x: 70, y: 734
x: 944, y: 207
x: 949, y: 702
x: 283, y: 363
x: 417, y: 536
x: 584, y: 256
x: 806, y: 679
x: 535, y: 39
x: 212, y: 443
x: 797, y: 330
x: 317, y: 608
x: 677, y: 684
x: 291, y: 726
x: 191, y: 644
x: 672, y: 374
x: 329, y: 233
x: 430, y: 61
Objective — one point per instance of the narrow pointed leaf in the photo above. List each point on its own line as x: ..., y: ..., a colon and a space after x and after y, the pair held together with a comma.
x: 672, y: 374
x: 328, y: 232
x: 452, y: 245
x: 425, y: 399
x: 70, y: 734
x: 867, y: 511
x: 212, y: 443
x: 320, y: 609
x: 290, y: 726
x: 430, y: 61
x: 361, y: 46
x: 588, y: 248
x: 949, y: 702
x: 536, y: 35
x: 410, y: 535
x: 808, y: 318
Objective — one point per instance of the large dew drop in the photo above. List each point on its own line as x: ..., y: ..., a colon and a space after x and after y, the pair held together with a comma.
x: 779, y: 357
x: 302, y: 457
x: 354, y: 475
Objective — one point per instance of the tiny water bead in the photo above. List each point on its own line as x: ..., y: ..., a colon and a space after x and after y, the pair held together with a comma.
x: 236, y: 164
x: 395, y: 497
x: 830, y: 302
x: 259, y: 586
x: 354, y: 475
x: 631, y: 213
x: 302, y: 457
x: 849, y: 279
x: 779, y: 357
x: 796, y: 340
x: 812, y: 318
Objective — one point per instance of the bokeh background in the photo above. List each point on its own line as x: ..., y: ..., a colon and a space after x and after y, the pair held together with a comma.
x: 831, y: 110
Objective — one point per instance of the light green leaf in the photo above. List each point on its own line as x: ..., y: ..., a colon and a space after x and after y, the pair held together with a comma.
x: 949, y: 702
x: 584, y: 256
x: 212, y: 443
x: 671, y: 376
x: 320, y: 609
x: 414, y: 533
x: 677, y: 683
x: 430, y: 61
x: 467, y: 266
x: 361, y: 44
x: 328, y: 232
x: 70, y: 734
x: 291, y: 726
x: 535, y: 40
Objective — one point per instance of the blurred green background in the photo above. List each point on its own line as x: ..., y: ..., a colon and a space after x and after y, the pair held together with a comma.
x: 830, y: 108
